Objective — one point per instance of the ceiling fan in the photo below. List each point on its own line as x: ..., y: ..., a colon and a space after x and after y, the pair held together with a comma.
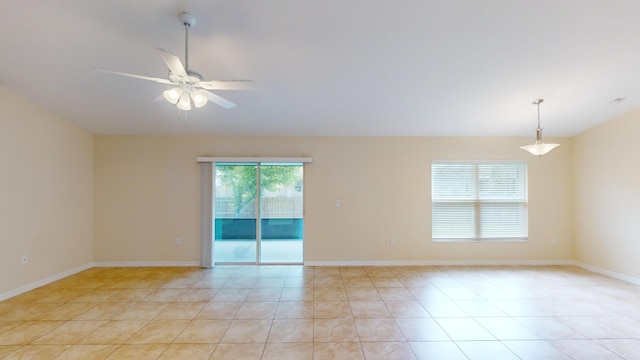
x: 188, y: 85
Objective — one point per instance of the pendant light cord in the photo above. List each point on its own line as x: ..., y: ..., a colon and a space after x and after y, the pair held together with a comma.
x: 537, y: 102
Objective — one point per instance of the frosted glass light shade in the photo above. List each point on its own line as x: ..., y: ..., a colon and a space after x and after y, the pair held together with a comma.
x: 539, y: 148
x: 199, y: 100
x: 185, y: 102
x: 172, y: 95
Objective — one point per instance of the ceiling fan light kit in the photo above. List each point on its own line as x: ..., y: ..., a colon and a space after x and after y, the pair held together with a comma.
x: 172, y: 95
x: 188, y: 86
x: 539, y: 148
x: 185, y: 102
x: 199, y: 100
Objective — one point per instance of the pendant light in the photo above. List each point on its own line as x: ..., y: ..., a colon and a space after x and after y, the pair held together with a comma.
x: 539, y: 148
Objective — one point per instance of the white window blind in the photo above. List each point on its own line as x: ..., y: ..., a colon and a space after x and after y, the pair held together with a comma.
x: 479, y: 200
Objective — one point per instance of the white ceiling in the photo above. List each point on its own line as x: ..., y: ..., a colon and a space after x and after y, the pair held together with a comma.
x: 331, y: 67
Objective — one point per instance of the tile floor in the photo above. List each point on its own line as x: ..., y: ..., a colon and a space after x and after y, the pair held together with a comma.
x: 297, y: 312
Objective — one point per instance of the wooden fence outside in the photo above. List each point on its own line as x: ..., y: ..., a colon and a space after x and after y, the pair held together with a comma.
x: 279, y: 207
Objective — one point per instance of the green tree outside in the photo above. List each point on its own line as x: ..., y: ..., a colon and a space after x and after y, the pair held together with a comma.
x: 242, y: 180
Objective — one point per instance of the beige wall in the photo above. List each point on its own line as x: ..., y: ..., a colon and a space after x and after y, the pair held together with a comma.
x: 147, y: 194
x: 46, y: 194
x: 68, y: 198
x: 607, y: 196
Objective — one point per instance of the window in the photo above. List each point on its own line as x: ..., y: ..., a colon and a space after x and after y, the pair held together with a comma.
x: 475, y: 200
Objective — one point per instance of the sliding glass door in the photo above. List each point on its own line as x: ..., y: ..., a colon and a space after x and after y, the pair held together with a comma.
x: 281, y: 217
x: 235, y: 213
x: 258, y: 213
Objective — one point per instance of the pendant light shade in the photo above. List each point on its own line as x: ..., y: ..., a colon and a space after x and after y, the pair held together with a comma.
x: 539, y: 148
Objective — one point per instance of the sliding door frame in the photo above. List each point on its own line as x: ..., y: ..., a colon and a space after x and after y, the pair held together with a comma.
x: 207, y: 199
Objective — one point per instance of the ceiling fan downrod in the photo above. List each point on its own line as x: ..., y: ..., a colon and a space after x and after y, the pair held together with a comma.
x: 188, y: 20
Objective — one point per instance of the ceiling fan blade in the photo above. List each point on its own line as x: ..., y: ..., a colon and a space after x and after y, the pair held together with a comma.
x: 217, y: 99
x: 227, y: 85
x: 158, y: 80
x: 174, y: 64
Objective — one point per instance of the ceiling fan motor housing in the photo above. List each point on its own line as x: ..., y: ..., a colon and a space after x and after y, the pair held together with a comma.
x: 193, y: 77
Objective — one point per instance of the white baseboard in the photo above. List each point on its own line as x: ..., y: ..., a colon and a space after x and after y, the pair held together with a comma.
x: 146, y: 264
x: 442, y: 263
x: 45, y: 281
x: 608, y: 273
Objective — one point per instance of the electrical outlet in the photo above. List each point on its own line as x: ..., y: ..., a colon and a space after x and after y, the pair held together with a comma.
x: 392, y: 241
x: 554, y: 241
x: 24, y: 259
x: 178, y: 241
